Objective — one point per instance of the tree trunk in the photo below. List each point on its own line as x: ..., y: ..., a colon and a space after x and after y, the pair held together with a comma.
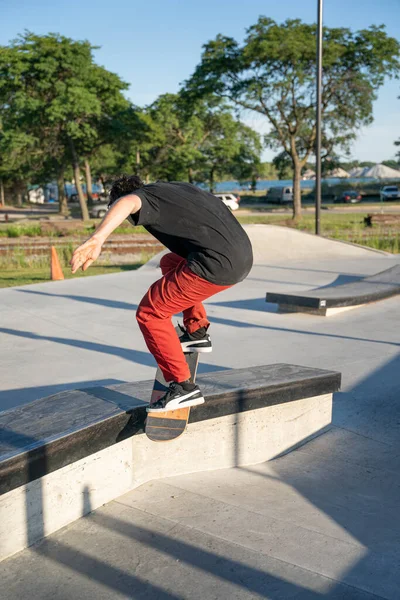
x: 190, y: 175
x: 212, y: 183
x: 2, y: 202
x: 137, y: 162
x: 19, y: 198
x: 296, y: 190
x: 89, y: 187
x: 62, y: 199
x: 77, y: 177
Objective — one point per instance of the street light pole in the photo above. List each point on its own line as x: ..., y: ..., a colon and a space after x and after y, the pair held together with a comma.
x: 318, y: 123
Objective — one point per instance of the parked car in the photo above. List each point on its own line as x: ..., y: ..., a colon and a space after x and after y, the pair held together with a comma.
x: 280, y: 195
x: 390, y: 192
x: 98, y: 210
x: 230, y: 200
x: 75, y: 198
x: 349, y: 197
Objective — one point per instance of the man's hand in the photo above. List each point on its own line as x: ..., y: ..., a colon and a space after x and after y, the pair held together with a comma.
x: 90, y: 250
x: 86, y: 254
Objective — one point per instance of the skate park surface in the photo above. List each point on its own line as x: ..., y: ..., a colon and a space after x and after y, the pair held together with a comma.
x: 320, y: 522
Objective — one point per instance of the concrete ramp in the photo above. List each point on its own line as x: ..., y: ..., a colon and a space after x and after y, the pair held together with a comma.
x: 331, y: 300
x: 272, y: 243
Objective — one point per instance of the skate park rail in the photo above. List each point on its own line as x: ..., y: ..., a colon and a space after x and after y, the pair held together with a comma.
x: 65, y: 455
x: 330, y: 300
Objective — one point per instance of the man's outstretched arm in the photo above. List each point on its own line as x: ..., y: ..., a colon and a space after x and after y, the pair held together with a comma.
x: 90, y: 250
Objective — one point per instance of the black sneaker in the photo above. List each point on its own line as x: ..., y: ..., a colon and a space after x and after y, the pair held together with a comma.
x: 198, y: 341
x: 179, y: 395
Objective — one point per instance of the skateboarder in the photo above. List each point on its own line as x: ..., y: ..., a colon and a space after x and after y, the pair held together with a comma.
x: 210, y: 252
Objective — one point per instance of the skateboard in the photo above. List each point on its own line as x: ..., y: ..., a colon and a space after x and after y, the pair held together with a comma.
x: 167, y: 426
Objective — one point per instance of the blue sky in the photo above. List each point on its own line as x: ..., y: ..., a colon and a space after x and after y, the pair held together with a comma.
x: 154, y: 45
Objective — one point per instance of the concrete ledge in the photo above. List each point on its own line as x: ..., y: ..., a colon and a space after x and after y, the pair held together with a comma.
x: 249, y: 416
x: 328, y: 300
x: 322, y: 312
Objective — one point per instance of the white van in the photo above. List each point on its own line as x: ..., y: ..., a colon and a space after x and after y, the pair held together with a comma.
x: 280, y: 195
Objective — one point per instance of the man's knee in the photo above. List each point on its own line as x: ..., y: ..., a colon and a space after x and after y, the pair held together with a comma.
x: 145, y: 313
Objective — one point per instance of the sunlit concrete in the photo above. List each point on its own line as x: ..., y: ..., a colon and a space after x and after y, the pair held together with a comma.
x: 319, y: 523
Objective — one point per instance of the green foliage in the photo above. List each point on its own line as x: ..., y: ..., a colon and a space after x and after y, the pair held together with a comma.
x: 59, y: 108
x: 198, y: 141
x: 24, y: 270
x: 273, y: 74
x: 56, y: 105
x: 15, y: 231
x: 393, y: 164
x: 35, y: 230
x: 283, y: 165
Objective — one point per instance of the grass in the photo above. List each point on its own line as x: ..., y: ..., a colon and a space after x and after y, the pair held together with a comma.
x: 14, y: 277
x: 344, y: 227
x: 35, y: 230
x: 15, y: 231
x: 329, y: 222
x: 18, y: 268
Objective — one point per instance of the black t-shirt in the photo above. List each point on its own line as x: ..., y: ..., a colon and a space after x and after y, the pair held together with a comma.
x: 197, y: 226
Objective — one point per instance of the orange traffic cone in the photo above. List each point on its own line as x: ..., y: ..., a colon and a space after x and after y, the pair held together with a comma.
x: 56, y: 270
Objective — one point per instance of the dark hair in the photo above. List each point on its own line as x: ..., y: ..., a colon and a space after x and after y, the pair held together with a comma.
x: 123, y: 186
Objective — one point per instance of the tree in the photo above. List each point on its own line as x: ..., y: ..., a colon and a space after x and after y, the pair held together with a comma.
x: 283, y: 165
x: 273, y: 73
x: 176, y: 140
x: 124, y: 145
x: 52, y: 89
x: 232, y: 148
x: 393, y: 164
x: 18, y: 161
x: 197, y: 141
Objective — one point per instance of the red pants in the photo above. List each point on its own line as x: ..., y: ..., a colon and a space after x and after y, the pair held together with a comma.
x: 178, y: 290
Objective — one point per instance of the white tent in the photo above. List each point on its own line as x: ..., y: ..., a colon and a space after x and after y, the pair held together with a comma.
x: 339, y: 172
x: 382, y: 172
x: 358, y: 171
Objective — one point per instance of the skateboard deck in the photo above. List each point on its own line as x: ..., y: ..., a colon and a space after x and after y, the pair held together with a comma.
x: 167, y: 426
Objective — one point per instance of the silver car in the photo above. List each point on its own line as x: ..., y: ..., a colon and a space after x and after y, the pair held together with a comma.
x: 390, y: 192
x: 98, y: 210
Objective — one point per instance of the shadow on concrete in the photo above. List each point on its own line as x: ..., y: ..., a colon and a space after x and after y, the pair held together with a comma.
x: 354, y: 484
x: 248, y: 579
x: 138, y: 356
x: 370, y: 516
x: 257, y: 304
x: 372, y: 407
x: 11, y: 398
x: 15, y: 397
x: 246, y: 324
x: 308, y: 270
x: 88, y: 299
x: 34, y: 504
x: 340, y: 280
x: 114, y: 579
